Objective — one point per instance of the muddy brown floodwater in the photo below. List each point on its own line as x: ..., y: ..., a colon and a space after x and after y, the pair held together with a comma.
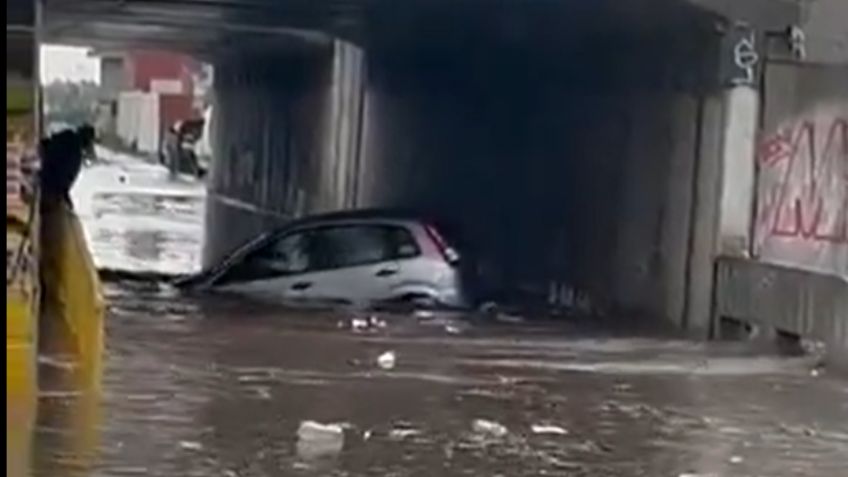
x: 211, y: 387
x: 208, y: 386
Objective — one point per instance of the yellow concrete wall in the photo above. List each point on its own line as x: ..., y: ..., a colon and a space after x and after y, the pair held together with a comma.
x: 22, y: 290
x: 72, y: 305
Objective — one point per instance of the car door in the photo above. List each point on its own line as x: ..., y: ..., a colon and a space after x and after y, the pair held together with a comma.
x: 353, y: 264
x: 279, y: 270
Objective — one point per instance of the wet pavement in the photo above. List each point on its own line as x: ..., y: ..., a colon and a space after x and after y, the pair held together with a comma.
x: 210, y: 386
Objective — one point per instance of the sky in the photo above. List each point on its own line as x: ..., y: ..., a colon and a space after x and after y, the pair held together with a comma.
x: 68, y: 63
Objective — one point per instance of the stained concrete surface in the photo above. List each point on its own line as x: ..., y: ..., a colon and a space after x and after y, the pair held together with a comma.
x: 210, y: 386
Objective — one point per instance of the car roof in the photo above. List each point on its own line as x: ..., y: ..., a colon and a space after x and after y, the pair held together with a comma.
x: 357, y: 215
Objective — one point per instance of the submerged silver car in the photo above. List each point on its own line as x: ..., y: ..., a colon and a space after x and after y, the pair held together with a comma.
x: 360, y: 258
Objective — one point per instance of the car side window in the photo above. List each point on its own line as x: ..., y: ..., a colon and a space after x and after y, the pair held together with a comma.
x: 325, y: 248
x: 282, y: 256
x: 354, y: 245
x: 348, y: 246
x: 285, y: 256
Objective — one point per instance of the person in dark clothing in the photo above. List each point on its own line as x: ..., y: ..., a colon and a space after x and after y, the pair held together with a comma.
x: 62, y: 157
x: 61, y: 160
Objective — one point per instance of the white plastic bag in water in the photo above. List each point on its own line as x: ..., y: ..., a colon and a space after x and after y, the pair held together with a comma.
x: 316, y: 440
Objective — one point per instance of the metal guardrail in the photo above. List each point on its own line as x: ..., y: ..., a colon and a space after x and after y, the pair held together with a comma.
x: 809, y: 304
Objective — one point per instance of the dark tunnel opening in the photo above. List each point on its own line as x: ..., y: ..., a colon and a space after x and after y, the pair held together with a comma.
x: 561, y: 139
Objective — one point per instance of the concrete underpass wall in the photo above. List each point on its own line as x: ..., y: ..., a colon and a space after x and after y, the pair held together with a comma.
x: 802, y: 197
x: 795, y: 278
x: 656, y: 205
x: 557, y: 166
x: 591, y: 190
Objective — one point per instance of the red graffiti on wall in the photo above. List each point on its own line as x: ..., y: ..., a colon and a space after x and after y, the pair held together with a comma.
x: 804, y: 182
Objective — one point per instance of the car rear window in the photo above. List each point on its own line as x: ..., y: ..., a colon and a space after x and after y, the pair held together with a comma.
x: 402, y: 243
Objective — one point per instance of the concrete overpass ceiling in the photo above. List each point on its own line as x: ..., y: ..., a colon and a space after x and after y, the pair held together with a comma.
x: 440, y: 43
x: 207, y: 25
x: 543, y: 22
x: 200, y: 27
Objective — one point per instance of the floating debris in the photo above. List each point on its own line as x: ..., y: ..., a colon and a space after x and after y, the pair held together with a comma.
x: 403, y: 433
x: 423, y: 314
x: 191, y: 445
x: 548, y: 429
x: 313, y: 428
x: 376, y: 322
x: 387, y: 360
x: 316, y: 440
x: 489, y: 428
x: 361, y: 325
x: 358, y: 324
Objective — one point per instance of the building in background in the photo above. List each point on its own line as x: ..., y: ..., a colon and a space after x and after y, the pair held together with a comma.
x: 144, y: 92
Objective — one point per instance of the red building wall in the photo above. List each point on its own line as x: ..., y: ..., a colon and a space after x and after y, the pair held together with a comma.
x: 145, y: 66
x: 175, y: 107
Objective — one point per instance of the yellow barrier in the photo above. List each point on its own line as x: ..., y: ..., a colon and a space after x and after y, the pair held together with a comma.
x: 72, y: 313
x: 69, y: 323
x: 21, y: 376
x: 21, y: 346
x: 20, y: 384
x: 69, y: 329
x: 21, y: 256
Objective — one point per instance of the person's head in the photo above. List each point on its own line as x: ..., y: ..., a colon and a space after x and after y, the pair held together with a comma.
x: 61, y: 156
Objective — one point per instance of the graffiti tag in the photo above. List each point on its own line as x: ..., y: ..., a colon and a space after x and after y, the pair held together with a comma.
x: 745, y: 58
x: 804, y: 174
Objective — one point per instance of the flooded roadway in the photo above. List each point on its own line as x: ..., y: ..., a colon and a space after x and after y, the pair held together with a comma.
x: 208, y: 386
x: 136, y: 219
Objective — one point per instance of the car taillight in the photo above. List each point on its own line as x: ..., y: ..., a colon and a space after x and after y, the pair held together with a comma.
x: 448, y: 253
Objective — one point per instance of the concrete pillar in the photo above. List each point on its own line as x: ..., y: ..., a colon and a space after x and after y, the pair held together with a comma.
x: 741, y: 120
x: 285, y: 139
x: 725, y: 181
x: 344, y: 130
x: 705, y: 215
